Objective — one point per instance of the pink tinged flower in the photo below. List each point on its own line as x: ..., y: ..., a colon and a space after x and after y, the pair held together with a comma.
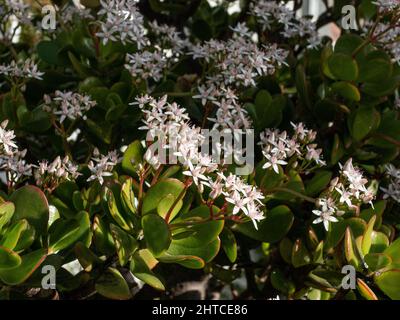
x: 255, y: 196
x: 325, y: 216
x: 215, y: 186
x: 239, y: 202
x: 205, y: 94
x: 196, y: 173
x: 393, y: 191
x: 348, y: 169
x: 313, y: 154
x: 242, y: 30
x: 345, y: 196
x: 254, y: 213
x: 101, y: 166
x: 7, y: 139
x: 273, y: 161
x: 300, y: 130
x: 392, y: 171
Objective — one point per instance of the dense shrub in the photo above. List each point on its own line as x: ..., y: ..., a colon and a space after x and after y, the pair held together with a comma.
x: 88, y: 108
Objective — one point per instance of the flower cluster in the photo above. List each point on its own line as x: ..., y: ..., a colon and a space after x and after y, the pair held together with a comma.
x: 123, y: 22
x: 243, y: 198
x: 387, y: 5
x: 11, y: 159
x: 145, y: 65
x: 169, y: 123
x: 26, y: 69
x: 102, y: 166
x: 271, y: 13
x: 278, y: 148
x: 68, y: 104
x: 50, y: 175
x: 229, y: 114
x: 16, y: 167
x: 168, y: 39
x: 168, y: 45
x: 7, y: 143
x: 238, y: 61
x: 69, y: 12
x: 393, y: 188
x: 235, y: 63
x: 17, y: 9
x: 346, y: 192
x: 387, y: 35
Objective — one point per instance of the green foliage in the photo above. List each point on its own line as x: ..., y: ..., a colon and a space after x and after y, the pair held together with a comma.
x: 153, y: 221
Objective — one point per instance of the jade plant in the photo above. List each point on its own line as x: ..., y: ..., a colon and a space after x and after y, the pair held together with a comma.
x: 116, y: 170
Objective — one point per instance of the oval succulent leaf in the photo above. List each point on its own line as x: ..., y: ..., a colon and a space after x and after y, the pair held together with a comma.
x: 228, y: 242
x: 389, y: 283
x: 365, y: 290
x: 343, y: 67
x: 165, y: 206
x: 86, y: 257
x: 188, y: 261
x: 8, y: 258
x: 350, y: 249
x: 37, y: 213
x: 159, y: 191
x: 125, y: 244
x: 156, y: 233
x: 30, y: 262
x: 377, y: 261
x: 115, y: 212
x: 64, y: 233
x: 199, y: 234
x: 205, y: 252
x: 140, y: 269
x: 14, y: 233
x: 6, y: 212
x: 300, y: 254
x: 128, y: 197
x: 274, y: 227
x: 133, y: 156
x: 367, y: 237
x: 112, y: 285
x: 102, y: 237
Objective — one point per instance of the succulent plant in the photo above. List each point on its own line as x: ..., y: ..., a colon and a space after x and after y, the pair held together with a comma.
x: 103, y: 175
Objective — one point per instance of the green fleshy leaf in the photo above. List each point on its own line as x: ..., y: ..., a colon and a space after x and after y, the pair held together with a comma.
x: 6, y: 212
x: 156, y: 233
x: 13, y: 234
x: 141, y: 268
x: 125, y: 244
x: 30, y: 262
x: 343, y: 67
x: 8, y: 258
x: 112, y: 285
x: 389, y: 283
x: 229, y: 245
x: 133, y: 156
x: 64, y: 233
x: 274, y: 227
x: 159, y: 191
x: 37, y: 212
